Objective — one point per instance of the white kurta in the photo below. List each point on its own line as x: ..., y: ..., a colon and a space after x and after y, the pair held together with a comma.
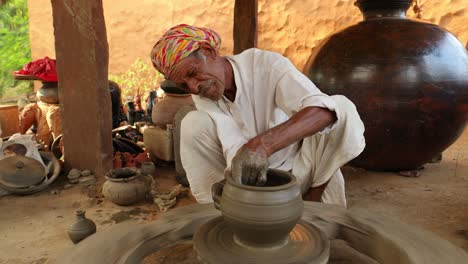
x: 269, y: 91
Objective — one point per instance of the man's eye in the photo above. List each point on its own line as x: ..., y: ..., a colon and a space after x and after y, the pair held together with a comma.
x: 191, y: 73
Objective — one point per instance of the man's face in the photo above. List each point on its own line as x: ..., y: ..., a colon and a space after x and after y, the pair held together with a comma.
x: 199, y: 75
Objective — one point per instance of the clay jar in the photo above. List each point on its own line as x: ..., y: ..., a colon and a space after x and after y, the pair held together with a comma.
x: 260, y: 216
x: 82, y: 228
x: 164, y: 111
x: 48, y: 93
x: 407, y: 78
x: 126, y: 186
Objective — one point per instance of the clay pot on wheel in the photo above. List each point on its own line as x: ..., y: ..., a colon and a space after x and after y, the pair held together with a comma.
x: 82, y: 228
x: 126, y: 186
x: 260, y: 215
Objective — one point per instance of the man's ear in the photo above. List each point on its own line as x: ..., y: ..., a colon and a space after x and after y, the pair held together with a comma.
x: 208, y: 50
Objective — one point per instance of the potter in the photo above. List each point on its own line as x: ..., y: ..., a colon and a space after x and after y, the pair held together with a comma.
x: 256, y: 111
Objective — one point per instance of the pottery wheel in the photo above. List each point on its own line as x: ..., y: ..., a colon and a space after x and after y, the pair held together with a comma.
x: 214, y: 243
x: 356, y: 237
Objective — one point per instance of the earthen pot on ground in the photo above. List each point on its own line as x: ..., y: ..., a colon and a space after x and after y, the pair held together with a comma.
x: 82, y: 228
x: 126, y: 186
x: 407, y: 78
x: 260, y: 216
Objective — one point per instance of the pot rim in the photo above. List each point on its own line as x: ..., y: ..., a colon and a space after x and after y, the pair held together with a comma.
x: 123, y: 179
x: 288, y: 185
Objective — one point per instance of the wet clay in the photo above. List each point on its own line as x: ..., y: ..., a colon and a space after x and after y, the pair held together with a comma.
x: 260, y: 216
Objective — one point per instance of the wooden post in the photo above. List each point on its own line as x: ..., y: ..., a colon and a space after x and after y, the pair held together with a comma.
x: 245, y: 25
x: 82, y: 67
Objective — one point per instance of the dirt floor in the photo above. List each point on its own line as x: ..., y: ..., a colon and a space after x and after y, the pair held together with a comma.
x: 33, y: 229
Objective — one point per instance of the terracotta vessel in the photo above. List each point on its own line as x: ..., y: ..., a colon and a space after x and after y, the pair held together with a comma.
x: 165, y: 109
x: 82, y: 228
x: 260, y: 216
x: 48, y: 93
x: 125, y: 186
x: 407, y: 78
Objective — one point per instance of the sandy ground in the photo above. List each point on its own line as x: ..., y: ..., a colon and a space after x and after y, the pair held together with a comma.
x: 33, y: 229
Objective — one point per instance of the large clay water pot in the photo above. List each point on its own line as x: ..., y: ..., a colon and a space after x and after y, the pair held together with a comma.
x: 126, y: 186
x: 260, y: 216
x: 408, y: 79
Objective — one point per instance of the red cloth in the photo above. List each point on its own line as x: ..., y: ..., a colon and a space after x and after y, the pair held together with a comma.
x: 43, y: 69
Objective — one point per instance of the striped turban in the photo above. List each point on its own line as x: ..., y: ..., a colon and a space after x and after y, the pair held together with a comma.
x: 179, y: 42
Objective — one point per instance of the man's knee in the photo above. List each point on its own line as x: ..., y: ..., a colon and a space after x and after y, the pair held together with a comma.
x: 197, y: 124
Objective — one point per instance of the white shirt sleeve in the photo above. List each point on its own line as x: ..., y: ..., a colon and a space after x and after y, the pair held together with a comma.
x: 295, y: 92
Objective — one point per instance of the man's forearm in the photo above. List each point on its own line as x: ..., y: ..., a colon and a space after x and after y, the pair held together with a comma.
x: 305, y: 123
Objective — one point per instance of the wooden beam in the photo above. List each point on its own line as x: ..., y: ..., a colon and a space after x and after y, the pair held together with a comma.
x: 82, y: 66
x: 245, y: 25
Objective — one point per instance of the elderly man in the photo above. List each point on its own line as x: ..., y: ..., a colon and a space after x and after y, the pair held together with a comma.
x: 256, y: 111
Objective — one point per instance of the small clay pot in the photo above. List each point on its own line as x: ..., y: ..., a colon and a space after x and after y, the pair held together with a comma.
x: 82, y: 228
x: 260, y: 216
x: 48, y: 93
x: 125, y: 186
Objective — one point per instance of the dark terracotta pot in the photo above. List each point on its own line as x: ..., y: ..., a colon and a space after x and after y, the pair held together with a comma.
x: 82, y: 228
x: 408, y: 79
x: 260, y: 216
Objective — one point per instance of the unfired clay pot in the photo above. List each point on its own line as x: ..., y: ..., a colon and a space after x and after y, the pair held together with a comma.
x: 260, y: 216
x: 82, y: 228
x: 126, y: 187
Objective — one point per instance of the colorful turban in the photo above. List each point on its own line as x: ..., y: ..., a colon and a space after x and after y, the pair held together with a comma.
x: 179, y: 42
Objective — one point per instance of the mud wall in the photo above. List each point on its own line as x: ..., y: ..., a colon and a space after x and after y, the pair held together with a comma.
x: 292, y: 28
x: 9, y: 122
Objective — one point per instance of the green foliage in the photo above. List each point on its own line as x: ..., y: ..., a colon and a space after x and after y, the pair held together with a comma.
x: 139, y: 78
x: 15, y: 50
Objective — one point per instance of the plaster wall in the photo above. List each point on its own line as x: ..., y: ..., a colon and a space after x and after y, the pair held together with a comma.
x: 9, y: 121
x: 292, y: 28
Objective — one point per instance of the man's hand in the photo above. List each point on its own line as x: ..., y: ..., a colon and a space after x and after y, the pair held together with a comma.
x: 250, y: 166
